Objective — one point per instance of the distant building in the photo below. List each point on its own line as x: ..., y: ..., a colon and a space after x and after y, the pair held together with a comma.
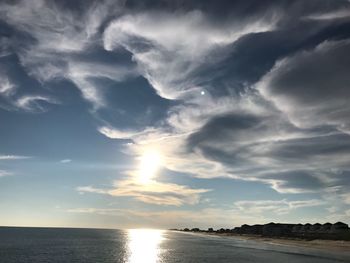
x: 337, y: 231
x: 237, y: 230
x: 297, y: 228
x: 325, y: 228
x: 315, y: 228
x: 273, y: 229
x: 221, y: 230
x: 339, y: 227
x: 305, y: 228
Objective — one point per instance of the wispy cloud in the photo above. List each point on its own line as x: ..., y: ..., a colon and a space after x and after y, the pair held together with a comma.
x: 4, y: 158
x: 153, y: 193
x: 4, y: 173
x: 13, y: 157
x: 7, y: 88
x: 34, y: 103
x: 279, y: 207
x: 338, y: 14
x: 15, y: 102
x: 60, y: 35
x: 243, y: 137
x: 168, y: 60
x: 114, y: 133
x: 294, y: 148
x: 66, y: 161
x: 284, y: 86
x: 70, y: 35
x: 82, y: 75
x: 244, y: 103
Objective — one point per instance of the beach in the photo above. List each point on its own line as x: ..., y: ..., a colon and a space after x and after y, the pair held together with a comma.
x: 331, y: 245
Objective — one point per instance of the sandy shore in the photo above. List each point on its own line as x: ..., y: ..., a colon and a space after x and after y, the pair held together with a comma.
x: 329, y: 245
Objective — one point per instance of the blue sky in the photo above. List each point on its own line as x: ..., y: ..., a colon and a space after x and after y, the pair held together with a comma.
x: 177, y: 113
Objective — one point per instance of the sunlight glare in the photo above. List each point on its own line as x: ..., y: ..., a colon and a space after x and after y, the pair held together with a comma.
x: 144, y: 245
x: 149, y: 165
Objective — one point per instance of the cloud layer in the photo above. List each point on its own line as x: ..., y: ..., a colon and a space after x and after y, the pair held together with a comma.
x: 153, y: 193
x: 252, y: 93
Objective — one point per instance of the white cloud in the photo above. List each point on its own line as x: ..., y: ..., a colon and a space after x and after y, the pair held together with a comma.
x: 346, y: 198
x: 325, y: 102
x: 57, y: 29
x: 66, y: 161
x: 290, y: 148
x: 278, y: 207
x: 13, y: 157
x: 170, y: 50
x: 266, y: 151
x: 60, y: 34
x: 82, y: 73
x: 170, y: 47
x: 153, y: 193
x: 114, y: 133
x: 339, y: 14
x: 4, y: 173
x: 34, y: 103
x: 90, y: 189
x: 30, y: 103
x: 7, y: 88
x: 10, y: 158
x: 101, y: 211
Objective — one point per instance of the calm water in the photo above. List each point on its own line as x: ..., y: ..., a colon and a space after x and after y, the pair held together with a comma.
x: 36, y: 245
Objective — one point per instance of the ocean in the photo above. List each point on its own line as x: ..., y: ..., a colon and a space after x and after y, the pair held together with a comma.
x: 65, y: 245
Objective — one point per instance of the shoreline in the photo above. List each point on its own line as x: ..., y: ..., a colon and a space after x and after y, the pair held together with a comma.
x: 320, y: 244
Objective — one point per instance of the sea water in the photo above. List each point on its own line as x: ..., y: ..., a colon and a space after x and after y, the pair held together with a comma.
x: 39, y: 245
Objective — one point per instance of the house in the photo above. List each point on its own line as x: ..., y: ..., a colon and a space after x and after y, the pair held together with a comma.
x: 273, y: 229
x: 305, y: 228
x: 325, y: 228
x: 257, y: 229
x: 339, y: 227
x: 236, y: 230
x: 297, y: 228
x: 315, y: 228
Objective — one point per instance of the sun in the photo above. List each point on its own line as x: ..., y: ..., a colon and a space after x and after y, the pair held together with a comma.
x: 150, y: 162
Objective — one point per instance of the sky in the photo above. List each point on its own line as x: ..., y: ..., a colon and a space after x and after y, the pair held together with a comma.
x: 174, y: 113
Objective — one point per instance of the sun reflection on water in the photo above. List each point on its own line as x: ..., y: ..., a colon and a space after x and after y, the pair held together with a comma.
x: 144, y: 245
